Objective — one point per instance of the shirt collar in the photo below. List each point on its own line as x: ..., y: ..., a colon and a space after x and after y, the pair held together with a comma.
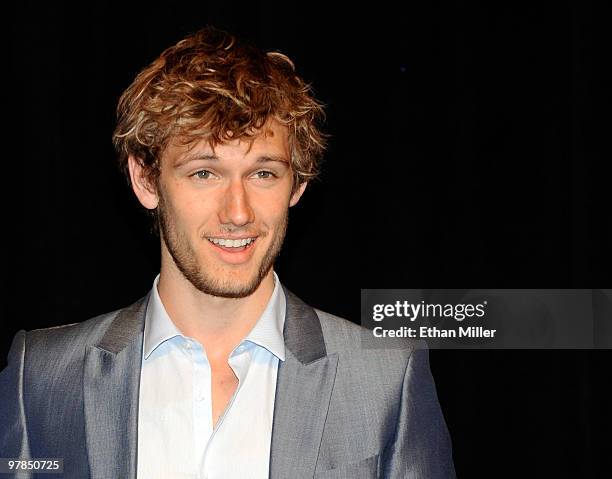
x: 267, y: 332
x: 158, y: 325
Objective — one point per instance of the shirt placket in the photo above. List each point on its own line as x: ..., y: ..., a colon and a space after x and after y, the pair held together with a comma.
x: 201, y: 398
x: 213, y: 464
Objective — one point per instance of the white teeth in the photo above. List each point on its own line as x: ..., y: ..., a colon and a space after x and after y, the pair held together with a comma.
x: 230, y: 243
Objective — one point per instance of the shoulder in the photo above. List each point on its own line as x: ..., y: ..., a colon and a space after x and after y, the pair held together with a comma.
x: 357, y: 347
x: 68, y: 339
x: 85, y: 331
x: 341, y: 335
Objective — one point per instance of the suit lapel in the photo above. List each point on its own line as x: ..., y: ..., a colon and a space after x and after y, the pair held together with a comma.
x: 303, y: 392
x: 111, y: 386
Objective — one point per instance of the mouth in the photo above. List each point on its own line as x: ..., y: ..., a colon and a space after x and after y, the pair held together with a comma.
x: 233, y: 245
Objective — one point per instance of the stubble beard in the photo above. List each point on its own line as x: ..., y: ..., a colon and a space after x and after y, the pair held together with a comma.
x: 186, y: 261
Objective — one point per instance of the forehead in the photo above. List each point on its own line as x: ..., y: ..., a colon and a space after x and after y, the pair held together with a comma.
x: 272, y: 139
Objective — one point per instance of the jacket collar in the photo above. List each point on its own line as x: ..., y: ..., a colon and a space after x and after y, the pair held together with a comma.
x: 302, y: 329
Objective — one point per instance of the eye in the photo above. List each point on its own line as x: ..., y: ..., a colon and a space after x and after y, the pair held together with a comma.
x: 202, y: 174
x: 264, y: 175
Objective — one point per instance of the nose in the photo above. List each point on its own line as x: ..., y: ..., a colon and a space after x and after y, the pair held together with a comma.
x: 236, y: 209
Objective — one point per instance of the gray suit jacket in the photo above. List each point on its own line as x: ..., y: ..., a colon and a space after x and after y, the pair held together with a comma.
x: 341, y: 411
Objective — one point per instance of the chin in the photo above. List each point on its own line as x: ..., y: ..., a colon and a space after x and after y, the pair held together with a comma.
x: 232, y: 289
x: 226, y: 284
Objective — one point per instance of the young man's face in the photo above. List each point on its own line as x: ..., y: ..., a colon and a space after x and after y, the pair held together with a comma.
x: 223, y: 211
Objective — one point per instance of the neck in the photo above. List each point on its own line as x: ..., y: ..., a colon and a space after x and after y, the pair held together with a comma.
x: 219, y: 324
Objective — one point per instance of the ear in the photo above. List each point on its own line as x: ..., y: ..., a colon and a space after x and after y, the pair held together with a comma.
x: 143, y: 189
x: 297, y: 194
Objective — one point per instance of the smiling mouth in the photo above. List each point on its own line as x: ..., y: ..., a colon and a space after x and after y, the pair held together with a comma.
x: 233, y: 245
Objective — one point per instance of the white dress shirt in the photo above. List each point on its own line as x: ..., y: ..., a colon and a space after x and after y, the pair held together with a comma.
x: 176, y: 438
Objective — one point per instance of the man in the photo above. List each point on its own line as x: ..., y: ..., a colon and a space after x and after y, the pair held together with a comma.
x: 220, y: 372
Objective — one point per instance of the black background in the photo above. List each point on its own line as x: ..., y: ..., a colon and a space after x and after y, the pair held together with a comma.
x: 469, y: 149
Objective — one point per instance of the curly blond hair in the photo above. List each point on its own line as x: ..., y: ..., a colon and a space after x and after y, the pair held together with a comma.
x: 212, y: 86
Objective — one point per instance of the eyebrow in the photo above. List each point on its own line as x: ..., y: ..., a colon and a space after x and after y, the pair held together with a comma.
x: 209, y: 157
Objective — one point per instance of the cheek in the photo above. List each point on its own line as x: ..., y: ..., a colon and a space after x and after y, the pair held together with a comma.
x: 271, y: 204
x: 191, y: 208
x: 271, y: 212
